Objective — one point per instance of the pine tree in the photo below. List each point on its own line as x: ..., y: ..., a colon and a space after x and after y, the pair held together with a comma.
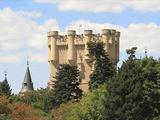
x: 67, y: 85
x: 151, y: 69
x: 126, y: 91
x: 5, y: 88
x: 132, y: 94
x: 103, y: 68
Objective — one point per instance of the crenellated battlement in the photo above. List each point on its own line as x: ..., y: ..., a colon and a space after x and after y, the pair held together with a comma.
x: 79, y: 38
x: 72, y: 48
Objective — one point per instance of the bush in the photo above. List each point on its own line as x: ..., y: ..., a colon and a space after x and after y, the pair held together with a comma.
x: 21, y: 111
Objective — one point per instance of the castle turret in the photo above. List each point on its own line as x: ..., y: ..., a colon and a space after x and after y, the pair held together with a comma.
x: 70, y: 39
x: 27, y: 85
x: 52, y: 38
x: 87, y: 38
x: 105, y: 38
x: 112, y: 45
x: 117, y: 36
x: 53, y: 55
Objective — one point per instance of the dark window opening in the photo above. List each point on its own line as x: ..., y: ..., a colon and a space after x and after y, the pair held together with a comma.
x: 25, y: 84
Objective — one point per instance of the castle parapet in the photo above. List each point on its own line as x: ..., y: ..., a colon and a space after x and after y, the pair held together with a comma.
x: 79, y: 40
x: 62, y: 40
x: 110, y: 38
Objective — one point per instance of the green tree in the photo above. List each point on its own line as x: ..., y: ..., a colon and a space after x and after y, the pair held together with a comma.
x: 103, y: 67
x: 90, y: 107
x: 67, y: 84
x: 135, y: 92
x: 125, y: 98
x: 5, y: 88
x: 49, y: 101
x: 43, y: 99
x: 4, y: 108
x: 151, y: 69
x: 4, y: 117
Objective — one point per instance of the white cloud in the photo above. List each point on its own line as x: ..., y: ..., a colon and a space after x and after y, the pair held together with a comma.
x: 38, y: 57
x: 9, y: 58
x: 139, y: 35
x: 19, y: 31
x: 19, y: 56
x: 19, y: 34
x: 30, y: 14
x: 104, y: 5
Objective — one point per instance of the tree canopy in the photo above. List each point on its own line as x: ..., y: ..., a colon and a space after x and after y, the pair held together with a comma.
x: 67, y: 83
x: 132, y: 94
x: 5, y: 88
x: 103, y: 67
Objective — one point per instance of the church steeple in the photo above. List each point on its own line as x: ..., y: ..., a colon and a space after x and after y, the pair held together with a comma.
x: 27, y: 84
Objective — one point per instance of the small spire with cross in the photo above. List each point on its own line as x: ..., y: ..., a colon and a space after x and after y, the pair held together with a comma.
x: 27, y: 61
x: 146, y: 52
x: 140, y: 56
x: 5, y: 75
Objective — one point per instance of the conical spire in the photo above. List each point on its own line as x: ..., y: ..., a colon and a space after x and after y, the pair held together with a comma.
x: 27, y: 84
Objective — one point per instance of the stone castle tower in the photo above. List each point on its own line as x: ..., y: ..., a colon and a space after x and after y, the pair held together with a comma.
x: 72, y: 48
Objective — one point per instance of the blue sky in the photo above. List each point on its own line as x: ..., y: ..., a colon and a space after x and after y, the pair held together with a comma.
x: 24, y: 26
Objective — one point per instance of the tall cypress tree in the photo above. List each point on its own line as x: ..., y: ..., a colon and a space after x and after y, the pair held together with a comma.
x: 67, y: 85
x: 103, y: 67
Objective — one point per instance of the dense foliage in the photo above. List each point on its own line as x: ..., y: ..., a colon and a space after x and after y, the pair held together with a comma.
x: 5, y: 88
x: 90, y: 107
x: 18, y: 111
x: 131, y: 93
x: 67, y: 83
x: 43, y: 99
x: 103, y: 68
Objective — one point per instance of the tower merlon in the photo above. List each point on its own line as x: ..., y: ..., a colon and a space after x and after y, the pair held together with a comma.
x: 87, y: 32
x: 52, y: 33
x: 113, y: 32
x: 106, y: 31
x: 71, y: 32
x: 117, y: 34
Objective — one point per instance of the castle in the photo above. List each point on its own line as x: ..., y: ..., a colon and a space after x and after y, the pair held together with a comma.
x: 72, y: 49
